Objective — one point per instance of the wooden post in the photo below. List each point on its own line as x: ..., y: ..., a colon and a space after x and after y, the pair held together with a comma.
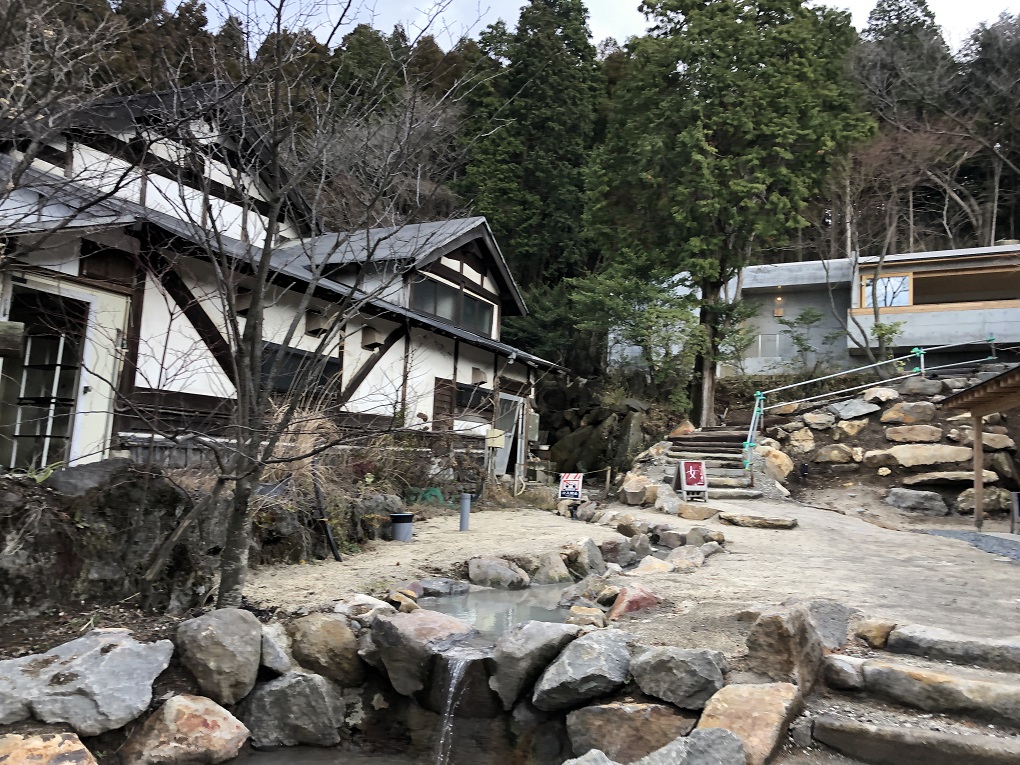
x: 979, y: 471
x: 1014, y: 516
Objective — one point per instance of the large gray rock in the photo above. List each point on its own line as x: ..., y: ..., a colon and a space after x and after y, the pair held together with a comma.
x: 881, y: 395
x: 819, y: 420
x: 408, y: 644
x: 927, y: 502
x: 784, y: 644
x: 914, y: 434
x: 551, y: 569
x: 704, y: 746
x: 916, y: 455
x: 186, y: 730
x: 831, y: 620
x: 298, y: 708
x: 96, y: 683
x: 326, y: 645
x: 684, y: 677
x: 592, y: 666
x: 624, y: 731
x: 996, y: 500
x: 844, y: 673
x: 909, y: 413
x: 594, y: 757
x: 276, y: 652
x: 489, y: 571
x: 857, y: 407
x: 584, y: 559
x: 919, y: 386
x: 931, y: 642
x: 947, y: 478
x: 523, y: 652
x: 223, y: 650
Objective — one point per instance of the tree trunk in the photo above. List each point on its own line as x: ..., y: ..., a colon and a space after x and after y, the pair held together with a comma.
x: 710, y: 293
x: 234, y: 558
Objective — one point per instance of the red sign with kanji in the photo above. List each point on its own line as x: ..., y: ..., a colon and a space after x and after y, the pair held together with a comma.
x: 692, y: 475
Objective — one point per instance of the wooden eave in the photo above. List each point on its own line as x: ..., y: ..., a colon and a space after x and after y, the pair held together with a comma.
x: 999, y: 394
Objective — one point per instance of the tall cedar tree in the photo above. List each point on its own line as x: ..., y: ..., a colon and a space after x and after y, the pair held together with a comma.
x: 721, y: 133
x: 527, y: 177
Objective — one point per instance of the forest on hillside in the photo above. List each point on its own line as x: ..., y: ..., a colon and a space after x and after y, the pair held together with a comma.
x: 628, y: 182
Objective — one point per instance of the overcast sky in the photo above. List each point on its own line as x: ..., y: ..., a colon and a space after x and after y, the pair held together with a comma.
x: 620, y: 18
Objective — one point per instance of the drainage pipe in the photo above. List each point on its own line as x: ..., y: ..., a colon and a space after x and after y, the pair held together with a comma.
x: 465, y: 511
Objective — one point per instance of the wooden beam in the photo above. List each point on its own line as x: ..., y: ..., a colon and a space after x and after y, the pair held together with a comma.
x: 369, y: 364
x: 979, y: 471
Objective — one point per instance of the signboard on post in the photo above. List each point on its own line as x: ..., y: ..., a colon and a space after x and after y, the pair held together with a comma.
x: 570, y: 485
x: 692, y: 480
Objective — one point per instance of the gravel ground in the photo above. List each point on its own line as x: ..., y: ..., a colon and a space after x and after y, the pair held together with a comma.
x: 1005, y: 548
x: 909, y: 578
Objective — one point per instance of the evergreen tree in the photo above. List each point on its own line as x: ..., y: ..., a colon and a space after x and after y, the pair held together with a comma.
x: 722, y: 131
x: 527, y: 177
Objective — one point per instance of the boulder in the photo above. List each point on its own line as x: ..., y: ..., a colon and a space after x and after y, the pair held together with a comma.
x: 710, y: 548
x: 632, y: 491
x: 667, y: 501
x: 874, y: 632
x: 684, y: 677
x: 801, y: 441
x: 45, y: 749
x: 407, y: 644
x: 947, y: 478
x: 784, y: 645
x: 223, y: 649
x: 843, y: 673
x: 276, y: 649
x: 326, y: 645
x: 685, y: 428
x: 697, y: 511
x: 919, y: 386
x: 593, y: 665
x: 927, y: 502
x: 629, y: 526
x: 585, y: 592
x: 617, y: 550
x: 632, y: 598
x: 641, y: 546
x: 855, y: 407
x: 758, y: 521
x: 1002, y: 654
x: 95, y: 683
x: 489, y: 571
x: 586, y: 511
x: 593, y: 757
x: 672, y: 538
x: 831, y: 620
x: 914, y: 434
x: 586, y: 616
x: 909, y: 413
x: 441, y: 587
x: 991, y: 442
x: 850, y: 428
x: 784, y: 410
x: 996, y: 500
x: 759, y: 715
x: 704, y: 746
x: 916, y: 455
x: 1005, y: 467
x: 298, y: 708
x: 585, y: 559
x: 836, y: 453
x: 186, y: 730
x: 819, y: 420
x: 551, y: 570
x: 700, y: 535
x: 626, y: 732
x: 686, y: 559
x: 364, y: 609
x: 777, y: 463
x: 651, y: 565
x: 881, y: 395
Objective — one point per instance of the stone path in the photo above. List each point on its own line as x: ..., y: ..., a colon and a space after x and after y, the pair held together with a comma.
x: 996, y: 544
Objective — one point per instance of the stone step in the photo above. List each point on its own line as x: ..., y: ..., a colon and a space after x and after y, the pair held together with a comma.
x: 981, y: 694
x: 725, y: 472
x: 709, y: 446
x: 884, y: 744
x: 728, y: 482
x: 718, y: 456
x: 733, y: 493
x: 1002, y: 654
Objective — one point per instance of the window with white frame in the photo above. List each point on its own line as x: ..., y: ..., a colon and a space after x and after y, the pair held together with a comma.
x: 887, y: 291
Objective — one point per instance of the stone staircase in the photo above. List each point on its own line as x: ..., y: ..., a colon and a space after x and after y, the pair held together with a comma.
x: 722, y: 449
x: 927, y: 697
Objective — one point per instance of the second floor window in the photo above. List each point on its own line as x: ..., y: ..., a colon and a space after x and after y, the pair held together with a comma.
x: 453, y: 305
x: 891, y: 291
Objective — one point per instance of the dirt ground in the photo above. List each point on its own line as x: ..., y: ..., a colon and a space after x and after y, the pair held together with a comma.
x: 899, y: 574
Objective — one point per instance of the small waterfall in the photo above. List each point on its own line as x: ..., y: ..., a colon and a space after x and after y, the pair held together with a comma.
x: 454, y: 669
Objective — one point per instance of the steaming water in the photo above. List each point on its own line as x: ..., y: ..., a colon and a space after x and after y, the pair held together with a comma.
x: 493, y: 611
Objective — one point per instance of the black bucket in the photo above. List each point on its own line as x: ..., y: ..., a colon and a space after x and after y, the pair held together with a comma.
x: 403, y: 526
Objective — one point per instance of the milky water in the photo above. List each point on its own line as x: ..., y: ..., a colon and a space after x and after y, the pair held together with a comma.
x: 493, y: 611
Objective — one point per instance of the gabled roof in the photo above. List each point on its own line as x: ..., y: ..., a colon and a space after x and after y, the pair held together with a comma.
x: 998, y: 394
x: 412, y: 246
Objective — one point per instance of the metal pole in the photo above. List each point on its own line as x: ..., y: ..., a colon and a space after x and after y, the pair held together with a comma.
x: 1014, y: 516
x: 465, y: 511
x: 979, y: 472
